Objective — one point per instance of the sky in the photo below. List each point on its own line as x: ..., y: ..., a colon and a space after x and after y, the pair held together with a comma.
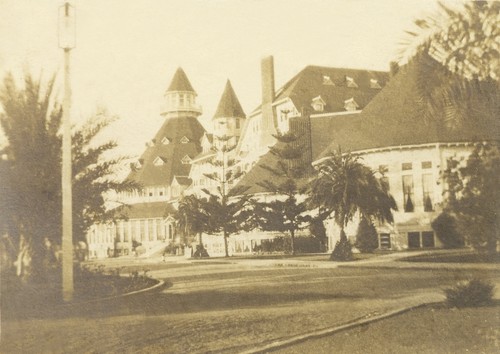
x: 128, y: 50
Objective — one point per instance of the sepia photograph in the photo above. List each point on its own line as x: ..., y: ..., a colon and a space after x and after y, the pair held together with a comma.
x: 250, y: 176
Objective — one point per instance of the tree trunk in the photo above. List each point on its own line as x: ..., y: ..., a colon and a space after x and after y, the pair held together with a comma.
x: 292, y: 234
x: 226, y: 247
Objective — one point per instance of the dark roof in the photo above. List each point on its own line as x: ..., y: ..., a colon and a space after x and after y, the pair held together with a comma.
x: 183, y: 180
x: 180, y: 82
x: 174, y: 129
x: 310, y: 83
x: 396, y: 117
x: 144, y: 210
x: 229, y: 105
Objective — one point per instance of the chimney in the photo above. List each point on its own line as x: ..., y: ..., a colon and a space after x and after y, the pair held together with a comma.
x: 267, y: 67
x: 268, y: 121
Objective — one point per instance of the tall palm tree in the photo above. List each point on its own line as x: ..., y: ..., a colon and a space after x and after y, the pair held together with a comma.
x: 459, y: 52
x: 345, y: 187
x: 192, y: 218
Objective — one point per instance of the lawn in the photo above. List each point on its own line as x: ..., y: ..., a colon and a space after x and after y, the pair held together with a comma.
x: 435, y: 329
x: 458, y: 256
x: 226, y: 311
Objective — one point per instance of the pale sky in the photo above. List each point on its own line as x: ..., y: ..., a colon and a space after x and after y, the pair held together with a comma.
x: 128, y: 50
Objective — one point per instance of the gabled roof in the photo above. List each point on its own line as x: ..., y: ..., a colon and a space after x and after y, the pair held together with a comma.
x: 144, y: 210
x: 310, y: 82
x: 396, y: 117
x: 229, y: 105
x: 180, y: 82
x: 174, y: 129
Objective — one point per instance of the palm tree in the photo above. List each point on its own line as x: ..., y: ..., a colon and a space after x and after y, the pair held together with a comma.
x: 459, y: 53
x: 192, y: 219
x: 345, y: 187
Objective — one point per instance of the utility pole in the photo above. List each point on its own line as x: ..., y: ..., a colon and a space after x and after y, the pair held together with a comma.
x: 67, y: 42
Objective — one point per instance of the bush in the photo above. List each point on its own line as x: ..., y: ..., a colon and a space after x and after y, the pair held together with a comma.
x: 308, y: 245
x: 201, y: 252
x: 366, y: 237
x: 343, y: 249
x: 446, y: 230
x: 278, y: 244
x: 318, y: 230
x: 472, y: 293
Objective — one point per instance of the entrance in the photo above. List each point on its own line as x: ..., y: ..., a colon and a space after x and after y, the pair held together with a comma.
x: 413, y: 239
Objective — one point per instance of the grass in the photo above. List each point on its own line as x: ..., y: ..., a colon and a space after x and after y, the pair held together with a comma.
x: 458, y: 256
x: 223, y: 312
x: 436, y: 329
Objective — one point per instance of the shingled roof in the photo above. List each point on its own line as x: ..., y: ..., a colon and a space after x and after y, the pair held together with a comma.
x: 174, y: 129
x: 180, y: 82
x: 396, y: 117
x: 333, y: 85
x: 144, y: 210
x: 229, y: 105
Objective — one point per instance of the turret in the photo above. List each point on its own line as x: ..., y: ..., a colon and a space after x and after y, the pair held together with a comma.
x: 180, y: 98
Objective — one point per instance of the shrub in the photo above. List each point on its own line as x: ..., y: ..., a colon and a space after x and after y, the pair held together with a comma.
x: 446, y: 230
x: 201, y: 252
x: 343, y: 249
x: 318, y: 230
x: 366, y: 237
x: 308, y: 245
x: 278, y: 244
x: 472, y: 293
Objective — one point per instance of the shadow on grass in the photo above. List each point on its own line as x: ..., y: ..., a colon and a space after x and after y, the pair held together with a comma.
x: 159, y: 303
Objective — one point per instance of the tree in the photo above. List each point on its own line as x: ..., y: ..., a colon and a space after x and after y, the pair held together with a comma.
x: 31, y: 172
x: 345, y: 187
x: 192, y: 219
x: 228, y: 209
x: 472, y: 196
x: 366, y: 237
x: 286, y: 213
x: 460, y: 55
x: 445, y: 226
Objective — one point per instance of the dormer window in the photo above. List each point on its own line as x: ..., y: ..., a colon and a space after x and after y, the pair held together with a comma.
x: 350, y: 82
x: 184, y: 140
x: 350, y: 104
x: 165, y: 141
x: 374, y: 84
x: 186, y: 160
x: 318, y: 104
x: 327, y: 80
x: 159, y: 161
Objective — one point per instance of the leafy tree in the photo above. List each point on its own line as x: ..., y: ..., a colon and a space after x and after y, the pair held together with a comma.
x: 473, y: 197
x: 462, y: 60
x: 446, y: 230
x: 31, y: 172
x: 286, y: 213
x: 345, y: 187
x: 366, y: 237
x: 192, y: 219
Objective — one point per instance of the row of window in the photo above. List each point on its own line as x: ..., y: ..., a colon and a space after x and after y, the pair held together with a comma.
x: 349, y: 81
x: 140, y: 230
x: 181, y: 99
x: 406, y: 166
x: 416, y: 239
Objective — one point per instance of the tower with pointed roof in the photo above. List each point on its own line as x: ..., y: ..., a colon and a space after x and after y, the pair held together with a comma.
x: 161, y: 172
x: 229, y: 116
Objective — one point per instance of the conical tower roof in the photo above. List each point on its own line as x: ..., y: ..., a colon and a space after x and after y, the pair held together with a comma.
x: 180, y: 82
x: 229, y: 105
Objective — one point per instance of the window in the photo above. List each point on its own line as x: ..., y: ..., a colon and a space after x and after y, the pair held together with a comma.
x: 160, y: 231
x: 350, y: 104
x: 408, y: 198
x: 385, y: 241
x: 427, y: 189
x: 413, y: 239
x: 186, y: 160
x: 126, y: 234
x: 406, y: 166
x: 184, y: 140
x: 170, y: 232
x: 181, y: 100
x: 426, y: 164
x: 427, y: 239
x: 374, y: 84
x: 142, y: 230
x: 327, y: 80
x: 151, y: 227
x: 350, y: 82
x: 237, y: 122
x: 165, y: 140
